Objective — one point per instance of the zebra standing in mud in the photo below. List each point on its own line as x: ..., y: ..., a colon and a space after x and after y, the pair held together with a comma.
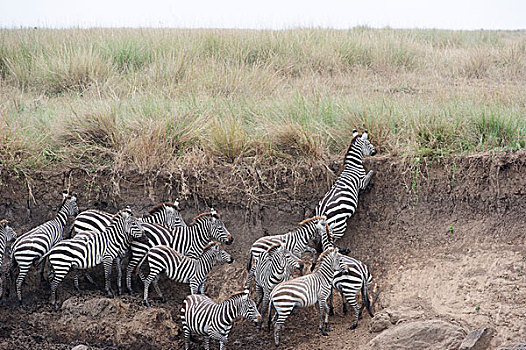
x: 88, y: 251
x: 189, y: 240
x: 340, y: 202
x: 354, y: 277
x: 202, y: 316
x: 7, y: 236
x: 297, y: 241
x: 32, y: 245
x: 182, y: 268
x: 270, y: 269
x: 95, y: 221
x: 306, y: 291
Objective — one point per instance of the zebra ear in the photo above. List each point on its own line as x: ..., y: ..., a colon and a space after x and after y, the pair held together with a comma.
x: 364, y: 135
x: 354, y: 133
x: 176, y: 203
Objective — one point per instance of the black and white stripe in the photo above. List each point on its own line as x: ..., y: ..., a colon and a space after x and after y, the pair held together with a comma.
x: 181, y: 268
x: 270, y: 269
x: 202, y: 316
x: 32, y: 245
x: 188, y: 240
x: 306, y: 291
x: 296, y: 242
x: 87, y: 251
x: 354, y: 277
x: 7, y: 236
x: 340, y: 202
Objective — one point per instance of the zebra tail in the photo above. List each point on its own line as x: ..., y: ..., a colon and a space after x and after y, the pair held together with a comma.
x: 365, y: 296
x: 42, y: 258
x: 138, y: 269
x: 249, y: 262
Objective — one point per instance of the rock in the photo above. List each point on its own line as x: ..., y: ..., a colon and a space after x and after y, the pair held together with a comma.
x: 80, y: 347
x: 381, y: 321
x: 478, y: 339
x: 420, y: 335
x: 514, y: 346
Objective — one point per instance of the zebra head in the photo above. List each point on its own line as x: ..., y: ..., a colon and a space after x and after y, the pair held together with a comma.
x: 219, y: 255
x: 69, y: 203
x: 218, y: 230
x: 366, y: 147
x: 6, y: 231
x: 132, y: 226
x: 170, y: 212
x: 247, y: 308
x: 290, y: 260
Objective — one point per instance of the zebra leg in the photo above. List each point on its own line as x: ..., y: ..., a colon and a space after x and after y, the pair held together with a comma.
x: 344, y: 303
x: 60, y: 273
x: 1, y: 286
x: 146, y: 288
x: 20, y: 279
x: 89, y: 278
x: 351, y: 299
x: 76, y: 278
x: 108, y: 264
x: 323, y: 320
x: 259, y: 291
x: 207, y: 342
x: 331, y: 307
x: 118, y: 264
x: 129, y: 270
x: 266, y: 298
x: 42, y: 266
x: 187, y: 336
x: 157, y: 289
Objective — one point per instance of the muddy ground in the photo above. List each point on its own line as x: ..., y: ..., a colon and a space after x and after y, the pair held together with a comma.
x: 445, y: 241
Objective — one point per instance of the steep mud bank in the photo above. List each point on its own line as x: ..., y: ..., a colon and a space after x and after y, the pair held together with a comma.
x: 446, y: 239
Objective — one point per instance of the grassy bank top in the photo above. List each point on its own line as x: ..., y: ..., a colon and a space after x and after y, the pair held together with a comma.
x: 157, y: 98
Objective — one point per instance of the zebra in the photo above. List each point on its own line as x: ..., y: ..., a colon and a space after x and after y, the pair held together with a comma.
x: 340, y: 202
x: 88, y: 251
x: 189, y: 240
x: 349, y: 282
x: 271, y: 268
x: 182, y: 268
x: 95, y: 221
x: 32, y: 245
x: 296, y: 241
x: 201, y: 315
x: 7, y: 236
x: 306, y: 291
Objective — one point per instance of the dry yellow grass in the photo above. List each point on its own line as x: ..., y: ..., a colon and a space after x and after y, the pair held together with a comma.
x: 147, y: 98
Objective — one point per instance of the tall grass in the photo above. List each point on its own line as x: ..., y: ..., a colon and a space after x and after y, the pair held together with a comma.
x: 148, y: 98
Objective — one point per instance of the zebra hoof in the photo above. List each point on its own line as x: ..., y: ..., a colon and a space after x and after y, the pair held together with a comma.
x: 324, y: 333
x: 146, y: 303
x: 331, y: 312
x: 353, y: 326
x: 131, y: 292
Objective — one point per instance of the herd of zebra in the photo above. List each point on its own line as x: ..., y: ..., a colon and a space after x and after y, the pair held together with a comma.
x: 186, y: 253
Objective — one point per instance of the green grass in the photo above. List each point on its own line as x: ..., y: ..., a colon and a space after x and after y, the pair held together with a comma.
x: 152, y: 99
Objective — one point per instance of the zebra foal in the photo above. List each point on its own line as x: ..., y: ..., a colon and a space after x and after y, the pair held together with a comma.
x: 182, y: 268
x: 305, y: 291
x: 188, y: 240
x: 32, y: 245
x: 7, y: 236
x: 87, y: 251
x: 353, y: 278
x: 271, y: 268
x: 202, y: 316
x: 340, y: 202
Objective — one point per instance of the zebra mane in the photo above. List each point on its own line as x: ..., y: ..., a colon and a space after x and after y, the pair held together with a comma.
x: 321, y: 257
x: 273, y: 247
x: 211, y: 213
x: 353, y: 141
x: 210, y: 245
x: 127, y: 210
x: 162, y: 205
x: 312, y: 219
x: 239, y: 294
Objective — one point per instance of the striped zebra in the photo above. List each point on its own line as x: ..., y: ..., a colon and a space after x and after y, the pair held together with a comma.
x: 182, y: 268
x: 202, y: 316
x: 32, y: 245
x: 95, y: 221
x: 297, y: 241
x: 340, y: 202
x: 306, y: 291
x: 188, y: 240
x: 88, y: 251
x: 349, y: 282
x: 92, y: 220
x: 7, y: 236
x: 270, y: 269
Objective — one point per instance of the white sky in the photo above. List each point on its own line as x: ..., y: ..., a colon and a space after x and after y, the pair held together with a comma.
x: 273, y: 14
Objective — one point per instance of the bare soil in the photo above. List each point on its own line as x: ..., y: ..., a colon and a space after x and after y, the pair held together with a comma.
x: 445, y: 240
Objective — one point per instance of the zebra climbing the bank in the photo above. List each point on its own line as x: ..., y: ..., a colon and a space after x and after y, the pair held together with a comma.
x: 181, y: 268
x: 7, y: 236
x: 297, y: 241
x: 270, y: 269
x: 354, y: 277
x: 202, y: 316
x: 188, y: 240
x: 94, y: 221
x: 88, y: 251
x: 32, y: 245
x: 340, y: 202
x: 306, y: 291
